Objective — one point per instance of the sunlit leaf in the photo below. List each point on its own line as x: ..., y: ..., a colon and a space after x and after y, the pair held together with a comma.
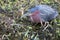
x: 58, y: 24
x: 47, y: 1
x: 26, y: 33
x: 36, y: 38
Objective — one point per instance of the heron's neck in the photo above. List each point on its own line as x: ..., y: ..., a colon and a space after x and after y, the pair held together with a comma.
x: 36, y: 12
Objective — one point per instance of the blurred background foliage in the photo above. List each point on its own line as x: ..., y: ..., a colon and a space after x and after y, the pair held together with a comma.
x: 13, y: 28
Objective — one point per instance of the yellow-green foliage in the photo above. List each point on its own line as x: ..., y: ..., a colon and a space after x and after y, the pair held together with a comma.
x: 22, y: 29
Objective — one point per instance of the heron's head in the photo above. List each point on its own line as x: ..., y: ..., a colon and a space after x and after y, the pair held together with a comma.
x: 33, y: 17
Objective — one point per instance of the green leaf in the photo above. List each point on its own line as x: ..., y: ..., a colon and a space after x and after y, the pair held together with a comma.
x: 36, y: 38
x: 47, y: 1
x: 26, y: 33
x: 58, y: 24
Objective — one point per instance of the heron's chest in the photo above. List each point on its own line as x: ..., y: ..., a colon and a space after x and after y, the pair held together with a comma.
x: 35, y: 17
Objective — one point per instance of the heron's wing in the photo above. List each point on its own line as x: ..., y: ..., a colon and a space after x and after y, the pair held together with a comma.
x: 47, y: 13
x: 45, y: 9
x: 33, y: 9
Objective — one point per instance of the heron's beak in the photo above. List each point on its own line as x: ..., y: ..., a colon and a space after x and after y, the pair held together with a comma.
x: 25, y: 15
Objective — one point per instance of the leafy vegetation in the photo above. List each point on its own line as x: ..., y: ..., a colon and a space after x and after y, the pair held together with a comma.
x: 14, y: 28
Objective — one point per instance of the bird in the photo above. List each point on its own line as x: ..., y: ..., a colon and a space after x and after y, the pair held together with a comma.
x: 41, y: 13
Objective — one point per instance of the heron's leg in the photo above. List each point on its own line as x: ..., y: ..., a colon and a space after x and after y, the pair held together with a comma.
x: 46, y: 26
x: 41, y: 23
